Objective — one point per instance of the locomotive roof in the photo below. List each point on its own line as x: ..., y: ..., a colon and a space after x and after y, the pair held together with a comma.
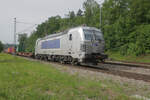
x: 66, y: 31
x: 54, y: 35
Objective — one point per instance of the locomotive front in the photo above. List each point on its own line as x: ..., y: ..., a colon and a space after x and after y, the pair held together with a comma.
x: 93, y: 45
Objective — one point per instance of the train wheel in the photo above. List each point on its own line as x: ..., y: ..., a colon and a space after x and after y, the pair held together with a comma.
x: 78, y: 64
x: 36, y: 57
x: 74, y: 62
x: 95, y: 63
x: 103, y: 60
x: 62, y: 62
x: 45, y: 58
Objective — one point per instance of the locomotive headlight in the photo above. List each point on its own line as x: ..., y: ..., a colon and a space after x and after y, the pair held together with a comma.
x: 83, y: 47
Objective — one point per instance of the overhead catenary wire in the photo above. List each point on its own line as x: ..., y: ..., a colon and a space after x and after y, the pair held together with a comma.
x: 33, y: 25
x: 27, y: 29
x: 26, y: 23
x: 15, y: 28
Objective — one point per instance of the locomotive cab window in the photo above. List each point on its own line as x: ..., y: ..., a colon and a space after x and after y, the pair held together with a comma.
x: 92, y: 35
x: 70, y: 37
x: 88, y: 34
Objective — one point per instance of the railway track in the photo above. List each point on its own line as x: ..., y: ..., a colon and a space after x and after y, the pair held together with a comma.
x: 104, y: 68
x: 146, y: 66
x: 120, y: 73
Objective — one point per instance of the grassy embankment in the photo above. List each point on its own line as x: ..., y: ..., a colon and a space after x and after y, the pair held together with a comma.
x: 139, y: 59
x: 21, y: 79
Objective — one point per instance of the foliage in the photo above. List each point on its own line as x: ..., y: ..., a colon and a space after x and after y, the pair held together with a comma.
x: 116, y: 56
x: 30, y: 42
x: 22, y: 40
x: 92, y: 13
x: 125, y: 25
x: 1, y: 46
x: 80, y: 12
x: 140, y: 40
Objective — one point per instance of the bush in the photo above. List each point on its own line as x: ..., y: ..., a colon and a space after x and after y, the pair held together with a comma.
x: 1, y: 46
x: 141, y: 42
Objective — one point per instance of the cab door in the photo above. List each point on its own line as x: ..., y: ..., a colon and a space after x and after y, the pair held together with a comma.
x: 70, y: 43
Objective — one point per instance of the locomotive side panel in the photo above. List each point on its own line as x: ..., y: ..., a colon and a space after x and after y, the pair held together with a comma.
x: 53, y: 46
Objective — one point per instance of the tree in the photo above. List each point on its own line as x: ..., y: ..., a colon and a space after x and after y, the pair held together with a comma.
x: 1, y: 46
x: 140, y: 11
x: 71, y: 15
x: 80, y: 12
x: 126, y: 26
x: 92, y: 13
x: 22, y: 44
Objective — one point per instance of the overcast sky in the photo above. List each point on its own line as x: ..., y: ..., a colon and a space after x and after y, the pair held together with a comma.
x: 31, y: 11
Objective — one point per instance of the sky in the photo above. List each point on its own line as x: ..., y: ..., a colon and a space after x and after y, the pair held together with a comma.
x: 31, y: 11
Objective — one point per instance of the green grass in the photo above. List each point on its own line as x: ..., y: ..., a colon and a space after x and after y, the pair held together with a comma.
x: 22, y: 79
x: 139, y: 59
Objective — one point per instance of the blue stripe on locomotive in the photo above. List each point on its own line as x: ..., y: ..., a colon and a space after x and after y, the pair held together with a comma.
x: 51, y: 44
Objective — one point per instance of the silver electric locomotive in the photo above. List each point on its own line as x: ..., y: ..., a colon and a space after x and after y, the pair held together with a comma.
x: 76, y: 45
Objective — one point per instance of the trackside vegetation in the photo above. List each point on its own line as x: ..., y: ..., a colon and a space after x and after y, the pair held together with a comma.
x: 125, y: 25
x: 1, y: 47
x: 22, y: 79
x: 116, y: 56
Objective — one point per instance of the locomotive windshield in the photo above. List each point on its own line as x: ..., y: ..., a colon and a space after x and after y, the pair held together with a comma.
x: 92, y: 34
x: 88, y: 34
x: 97, y: 35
